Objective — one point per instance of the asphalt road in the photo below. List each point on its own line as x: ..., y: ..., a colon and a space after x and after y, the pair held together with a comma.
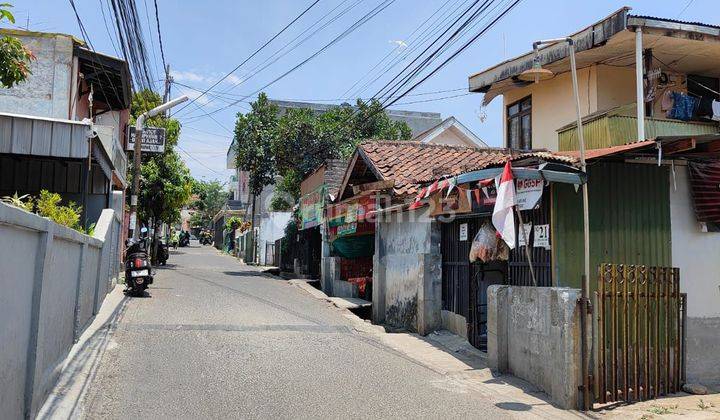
x: 217, y: 339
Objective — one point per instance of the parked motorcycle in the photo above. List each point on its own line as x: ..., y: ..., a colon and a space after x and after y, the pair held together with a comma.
x: 205, y: 238
x: 163, y: 253
x: 138, y: 271
x: 184, y: 239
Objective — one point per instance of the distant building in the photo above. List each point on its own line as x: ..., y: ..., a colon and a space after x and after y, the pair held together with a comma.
x: 450, y: 132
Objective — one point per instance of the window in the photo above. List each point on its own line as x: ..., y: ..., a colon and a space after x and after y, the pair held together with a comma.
x: 519, y: 124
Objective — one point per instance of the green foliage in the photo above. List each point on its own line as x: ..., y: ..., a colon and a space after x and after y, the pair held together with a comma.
x: 305, y: 141
x: 14, y: 57
x: 296, y: 143
x: 165, y: 187
x: 165, y: 181
x: 233, y: 223
x: 24, y: 202
x: 286, y: 192
x: 208, y: 199
x: 254, y: 133
x: 49, y: 205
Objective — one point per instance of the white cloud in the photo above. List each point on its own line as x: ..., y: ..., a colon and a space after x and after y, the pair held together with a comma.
x: 188, y: 76
x: 234, y: 80
x: 399, y: 42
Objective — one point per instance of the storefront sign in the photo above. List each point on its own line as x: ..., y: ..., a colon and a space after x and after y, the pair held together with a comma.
x: 347, y: 229
x: 352, y: 213
x: 153, y: 140
x: 464, y: 232
x: 528, y: 193
x: 311, y: 207
x: 542, y: 236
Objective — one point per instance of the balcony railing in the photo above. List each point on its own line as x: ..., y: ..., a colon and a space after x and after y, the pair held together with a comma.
x: 618, y: 126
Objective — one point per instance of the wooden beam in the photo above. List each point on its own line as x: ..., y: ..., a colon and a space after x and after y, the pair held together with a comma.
x: 678, y: 146
x: 373, y: 186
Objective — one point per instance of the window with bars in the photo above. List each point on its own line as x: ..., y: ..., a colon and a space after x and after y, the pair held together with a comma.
x: 519, y: 124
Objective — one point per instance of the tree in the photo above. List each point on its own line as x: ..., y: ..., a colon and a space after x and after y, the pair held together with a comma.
x: 253, y: 139
x: 209, y: 198
x: 14, y: 56
x: 305, y: 141
x: 254, y: 134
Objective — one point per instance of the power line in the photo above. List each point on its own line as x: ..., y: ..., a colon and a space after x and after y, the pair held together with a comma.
x: 431, y: 30
x: 86, y: 37
x: 274, y: 57
x: 199, y: 161
x: 160, y: 40
x: 458, y: 51
x: 397, y: 47
x: 251, y: 55
x: 357, y: 24
x: 229, y: 97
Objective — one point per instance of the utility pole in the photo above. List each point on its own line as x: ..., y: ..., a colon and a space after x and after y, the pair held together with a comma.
x: 168, y: 84
x: 137, y: 156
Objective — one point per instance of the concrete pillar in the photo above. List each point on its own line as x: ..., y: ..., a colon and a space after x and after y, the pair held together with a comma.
x: 497, y: 350
x: 429, y: 316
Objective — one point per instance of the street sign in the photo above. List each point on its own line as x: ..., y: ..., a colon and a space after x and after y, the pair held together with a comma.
x: 153, y: 140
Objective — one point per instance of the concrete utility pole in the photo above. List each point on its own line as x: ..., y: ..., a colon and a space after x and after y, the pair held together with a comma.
x: 137, y: 155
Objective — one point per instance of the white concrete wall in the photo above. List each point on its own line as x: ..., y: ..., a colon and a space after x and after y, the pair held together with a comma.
x: 46, y: 92
x: 697, y: 255
x: 53, y: 281
x: 272, y: 228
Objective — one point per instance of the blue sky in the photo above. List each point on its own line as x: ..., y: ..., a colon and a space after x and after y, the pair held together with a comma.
x: 203, y: 40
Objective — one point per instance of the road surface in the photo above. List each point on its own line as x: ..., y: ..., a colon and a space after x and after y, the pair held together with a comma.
x: 217, y: 339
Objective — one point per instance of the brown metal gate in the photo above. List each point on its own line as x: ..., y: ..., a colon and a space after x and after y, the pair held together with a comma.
x: 640, y: 346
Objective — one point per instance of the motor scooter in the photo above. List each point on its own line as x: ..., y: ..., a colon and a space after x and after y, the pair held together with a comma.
x: 163, y: 253
x: 138, y: 271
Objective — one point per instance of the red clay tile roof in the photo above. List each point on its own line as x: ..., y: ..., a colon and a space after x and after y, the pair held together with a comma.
x: 411, y: 163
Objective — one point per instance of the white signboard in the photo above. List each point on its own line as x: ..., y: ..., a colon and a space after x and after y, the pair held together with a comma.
x: 542, y: 236
x: 521, y: 237
x: 464, y: 232
x: 153, y: 140
x: 528, y: 193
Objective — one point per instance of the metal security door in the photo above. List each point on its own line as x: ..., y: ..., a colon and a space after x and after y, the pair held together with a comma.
x: 464, y: 285
x: 640, y: 334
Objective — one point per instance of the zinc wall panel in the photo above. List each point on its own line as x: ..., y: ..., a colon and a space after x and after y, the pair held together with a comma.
x: 629, y: 220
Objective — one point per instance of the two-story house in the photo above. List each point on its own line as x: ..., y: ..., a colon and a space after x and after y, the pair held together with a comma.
x: 652, y: 169
x: 63, y: 128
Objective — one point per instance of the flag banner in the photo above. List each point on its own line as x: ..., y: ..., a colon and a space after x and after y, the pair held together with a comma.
x: 502, y: 217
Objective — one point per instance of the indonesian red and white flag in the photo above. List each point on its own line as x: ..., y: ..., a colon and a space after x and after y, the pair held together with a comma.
x: 502, y: 217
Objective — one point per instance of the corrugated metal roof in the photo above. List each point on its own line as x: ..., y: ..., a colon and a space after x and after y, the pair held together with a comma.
x: 682, y: 22
x: 37, y: 136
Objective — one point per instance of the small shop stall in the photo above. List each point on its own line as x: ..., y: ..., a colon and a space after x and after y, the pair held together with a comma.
x: 351, y: 235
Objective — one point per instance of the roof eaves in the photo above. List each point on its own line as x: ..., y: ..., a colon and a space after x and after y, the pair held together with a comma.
x: 589, y: 37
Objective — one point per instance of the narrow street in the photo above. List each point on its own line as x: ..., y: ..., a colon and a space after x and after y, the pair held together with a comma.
x: 218, y: 339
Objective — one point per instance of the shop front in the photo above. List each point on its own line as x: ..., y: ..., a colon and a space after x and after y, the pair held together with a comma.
x: 351, y: 242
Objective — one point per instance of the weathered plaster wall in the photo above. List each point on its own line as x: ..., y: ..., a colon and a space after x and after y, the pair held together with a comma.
x: 407, y: 278
x: 697, y: 255
x: 534, y: 334
x: 46, y: 93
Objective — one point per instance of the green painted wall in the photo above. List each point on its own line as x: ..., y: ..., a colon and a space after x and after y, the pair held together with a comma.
x: 629, y: 220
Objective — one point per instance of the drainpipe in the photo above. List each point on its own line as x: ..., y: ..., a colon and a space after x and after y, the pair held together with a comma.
x: 639, y: 83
